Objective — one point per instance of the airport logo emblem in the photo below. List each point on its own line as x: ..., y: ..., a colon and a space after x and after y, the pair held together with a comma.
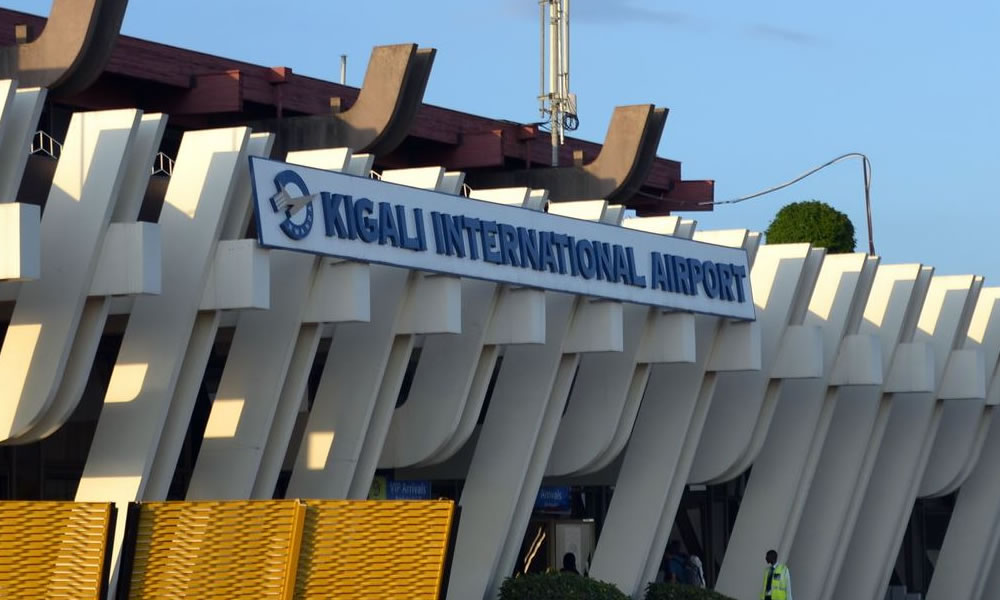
x: 293, y: 201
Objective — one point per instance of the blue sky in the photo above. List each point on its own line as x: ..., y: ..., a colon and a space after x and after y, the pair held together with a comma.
x: 758, y: 91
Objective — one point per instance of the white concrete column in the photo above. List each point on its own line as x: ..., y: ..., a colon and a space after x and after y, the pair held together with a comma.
x: 445, y: 380
x: 160, y: 327
x: 528, y: 398
x: 854, y: 435
x: 961, y: 435
x: 348, y: 282
x: 966, y: 417
x: 434, y: 306
x: 601, y: 395
x: 20, y: 242
x: 47, y: 312
x: 20, y: 229
x: 8, y: 88
x: 116, y: 263
x: 518, y: 318
x: 966, y: 558
x: 596, y: 327
x: 743, y: 339
x: 743, y: 403
x: 909, y: 436
x: 970, y: 545
x: 206, y: 325
x: 671, y: 419
x: 20, y: 122
x: 776, y: 491
x: 261, y: 350
x: 364, y: 369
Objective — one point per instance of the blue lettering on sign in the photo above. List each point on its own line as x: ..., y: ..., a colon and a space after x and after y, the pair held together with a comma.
x: 332, y: 216
x: 585, y: 259
x: 491, y: 252
x: 562, y: 244
x: 635, y: 279
x: 348, y: 218
x: 387, y: 230
x: 508, y: 245
x: 527, y: 243
x: 659, y: 276
x: 740, y: 273
x: 681, y: 275
x: 418, y: 241
x: 408, y: 490
x: 548, y: 256
x: 472, y: 228
x: 366, y: 226
x: 553, y: 498
x: 604, y: 264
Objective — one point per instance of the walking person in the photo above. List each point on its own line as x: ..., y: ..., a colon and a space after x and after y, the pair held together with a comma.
x: 777, y: 579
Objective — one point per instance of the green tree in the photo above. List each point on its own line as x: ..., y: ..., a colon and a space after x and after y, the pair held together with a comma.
x: 815, y: 222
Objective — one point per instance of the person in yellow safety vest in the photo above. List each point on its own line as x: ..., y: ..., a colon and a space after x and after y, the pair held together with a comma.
x: 777, y: 580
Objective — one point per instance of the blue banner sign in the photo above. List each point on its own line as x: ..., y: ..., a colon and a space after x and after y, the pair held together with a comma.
x: 357, y: 218
x: 408, y: 490
x: 553, y: 499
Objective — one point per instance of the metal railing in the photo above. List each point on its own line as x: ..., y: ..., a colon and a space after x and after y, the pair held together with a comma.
x: 163, y: 165
x: 466, y: 191
x: 43, y: 143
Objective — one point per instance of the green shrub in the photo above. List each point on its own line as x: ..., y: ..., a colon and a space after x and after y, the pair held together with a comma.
x: 814, y: 222
x: 558, y: 586
x: 676, y: 591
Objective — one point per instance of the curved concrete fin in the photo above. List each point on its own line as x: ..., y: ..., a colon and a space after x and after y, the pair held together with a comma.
x: 72, y: 49
x: 611, y: 161
x: 381, y: 94
x: 627, y: 154
x: 379, y: 119
x: 410, y: 99
x: 101, y: 43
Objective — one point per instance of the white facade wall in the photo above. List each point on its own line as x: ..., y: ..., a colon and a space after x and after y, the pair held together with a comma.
x: 859, y: 388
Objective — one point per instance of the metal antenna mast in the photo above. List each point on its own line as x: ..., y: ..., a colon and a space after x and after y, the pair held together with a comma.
x: 556, y: 103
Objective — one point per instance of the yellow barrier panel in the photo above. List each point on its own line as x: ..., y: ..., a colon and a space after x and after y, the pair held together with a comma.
x: 354, y: 550
x: 53, y: 549
x: 224, y: 550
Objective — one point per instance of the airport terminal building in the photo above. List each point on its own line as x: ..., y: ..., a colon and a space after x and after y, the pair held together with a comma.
x: 223, y: 282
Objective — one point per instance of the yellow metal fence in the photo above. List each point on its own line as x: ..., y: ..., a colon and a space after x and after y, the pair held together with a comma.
x: 360, y: 550
x: 54, y: 550
x: 281, y: 549
x: 223, y: 550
